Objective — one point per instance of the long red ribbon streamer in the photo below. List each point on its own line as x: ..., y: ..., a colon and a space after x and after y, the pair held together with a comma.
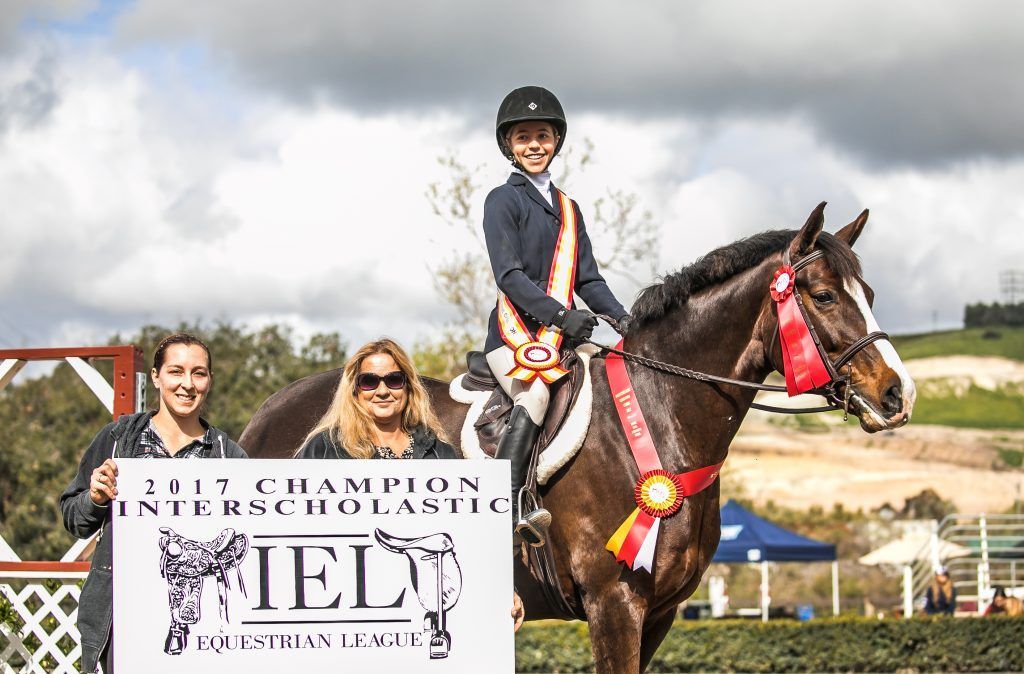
x: 801, y: 360
x: 630, y: 415
x: 635, y: 538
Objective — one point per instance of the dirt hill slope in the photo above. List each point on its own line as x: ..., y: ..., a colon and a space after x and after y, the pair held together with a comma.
x: 823, y: 461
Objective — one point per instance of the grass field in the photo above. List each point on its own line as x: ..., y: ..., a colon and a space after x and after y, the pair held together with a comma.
x: 978, y: 408
x: 969, y: 342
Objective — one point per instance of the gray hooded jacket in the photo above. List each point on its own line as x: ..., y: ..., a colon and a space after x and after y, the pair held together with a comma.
x: 83, y: 518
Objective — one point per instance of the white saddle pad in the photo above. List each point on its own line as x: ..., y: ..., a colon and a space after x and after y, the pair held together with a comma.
x: 563, y: 446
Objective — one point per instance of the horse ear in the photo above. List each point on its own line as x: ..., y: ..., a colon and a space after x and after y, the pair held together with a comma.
x: 852, y: 231
x: 808, y: 234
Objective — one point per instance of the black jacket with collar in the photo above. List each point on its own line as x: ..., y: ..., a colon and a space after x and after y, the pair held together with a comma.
x: 521, y: 232
x: 425, y: 445
x: 83, y: 518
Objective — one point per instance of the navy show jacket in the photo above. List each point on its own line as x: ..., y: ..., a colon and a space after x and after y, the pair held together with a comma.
x: 521, y: 232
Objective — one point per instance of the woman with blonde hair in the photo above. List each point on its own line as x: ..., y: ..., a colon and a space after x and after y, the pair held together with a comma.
x: 941, y: 596
x: 380, y: 410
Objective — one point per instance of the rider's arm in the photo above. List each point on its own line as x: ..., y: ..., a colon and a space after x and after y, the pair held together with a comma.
x: 82, y: 517
x: 590, y: 285
x: 501, y: 233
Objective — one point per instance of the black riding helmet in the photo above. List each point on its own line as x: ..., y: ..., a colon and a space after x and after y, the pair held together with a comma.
x: 529, y: 104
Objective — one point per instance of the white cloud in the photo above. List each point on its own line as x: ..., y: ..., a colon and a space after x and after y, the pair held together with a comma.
x: 17, y: 12
x: 907, y: 82
x: 934, y: 242
x: 141, y: 196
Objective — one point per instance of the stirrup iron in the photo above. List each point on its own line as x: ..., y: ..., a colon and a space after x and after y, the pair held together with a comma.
x: 533, y: 526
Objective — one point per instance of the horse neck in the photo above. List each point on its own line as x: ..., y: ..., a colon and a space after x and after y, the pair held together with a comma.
x: 719, y: 332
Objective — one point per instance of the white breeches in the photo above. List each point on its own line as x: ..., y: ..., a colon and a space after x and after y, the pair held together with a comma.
x: 533, y: 396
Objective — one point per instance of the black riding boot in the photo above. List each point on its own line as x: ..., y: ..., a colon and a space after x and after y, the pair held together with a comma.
x: 517, y: 445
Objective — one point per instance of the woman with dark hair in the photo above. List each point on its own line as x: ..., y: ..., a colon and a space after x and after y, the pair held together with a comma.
x: 1004, y: 604
x: 183, y: 376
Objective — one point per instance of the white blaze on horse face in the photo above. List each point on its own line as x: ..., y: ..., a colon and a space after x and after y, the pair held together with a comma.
x: 889, y: 355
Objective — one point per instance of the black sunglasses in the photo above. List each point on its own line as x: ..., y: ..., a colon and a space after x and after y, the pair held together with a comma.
x: 369, y: 381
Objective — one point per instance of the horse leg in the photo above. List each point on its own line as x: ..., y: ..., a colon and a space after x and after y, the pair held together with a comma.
x: 653, y: 634
x: 615, y: 629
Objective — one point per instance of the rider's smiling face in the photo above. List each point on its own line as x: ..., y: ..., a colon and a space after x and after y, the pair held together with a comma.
x: 385, y: 405
x: 533, y: 144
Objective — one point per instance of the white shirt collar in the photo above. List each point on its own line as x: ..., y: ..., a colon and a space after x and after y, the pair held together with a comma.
x: 542, y: 181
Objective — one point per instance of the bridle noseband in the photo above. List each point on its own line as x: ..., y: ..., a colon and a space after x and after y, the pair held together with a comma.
x: 837, y: 400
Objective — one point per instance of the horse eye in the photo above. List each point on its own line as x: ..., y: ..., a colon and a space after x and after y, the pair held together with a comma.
x: 824, y: 297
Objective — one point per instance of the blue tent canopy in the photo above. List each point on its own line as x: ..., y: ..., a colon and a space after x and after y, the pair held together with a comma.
x: 748, y: 538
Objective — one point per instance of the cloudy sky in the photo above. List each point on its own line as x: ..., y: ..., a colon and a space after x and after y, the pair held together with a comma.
x: 268, y: 161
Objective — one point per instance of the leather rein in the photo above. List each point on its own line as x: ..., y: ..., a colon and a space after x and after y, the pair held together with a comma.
x: 837, y: 400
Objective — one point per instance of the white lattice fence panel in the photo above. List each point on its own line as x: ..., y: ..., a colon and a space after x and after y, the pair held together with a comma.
x: 42, y: 611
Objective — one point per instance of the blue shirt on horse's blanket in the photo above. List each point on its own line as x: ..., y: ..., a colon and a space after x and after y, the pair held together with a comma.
x: 521, y: 231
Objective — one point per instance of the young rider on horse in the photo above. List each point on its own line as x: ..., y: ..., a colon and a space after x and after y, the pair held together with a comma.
x: 540, y: 255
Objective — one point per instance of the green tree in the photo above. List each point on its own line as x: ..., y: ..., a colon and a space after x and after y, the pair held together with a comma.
x: 50, y: 420
x: 927, y: 505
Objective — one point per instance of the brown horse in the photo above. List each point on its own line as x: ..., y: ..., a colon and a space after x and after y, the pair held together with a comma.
x: 714, y: 316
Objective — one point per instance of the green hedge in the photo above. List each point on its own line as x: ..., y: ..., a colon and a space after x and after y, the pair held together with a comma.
x: 838, y: 645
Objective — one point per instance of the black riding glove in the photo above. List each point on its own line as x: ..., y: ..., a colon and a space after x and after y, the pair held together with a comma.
x: 575, y: 323
x: 623, y: 324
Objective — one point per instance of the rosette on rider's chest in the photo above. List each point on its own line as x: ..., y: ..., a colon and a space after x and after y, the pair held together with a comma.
x: 538, y: 356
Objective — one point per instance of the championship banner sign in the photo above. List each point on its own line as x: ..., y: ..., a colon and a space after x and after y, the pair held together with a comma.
x: 286, y: 565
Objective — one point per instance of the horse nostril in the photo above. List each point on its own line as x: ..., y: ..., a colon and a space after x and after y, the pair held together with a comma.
x: 892, y: 401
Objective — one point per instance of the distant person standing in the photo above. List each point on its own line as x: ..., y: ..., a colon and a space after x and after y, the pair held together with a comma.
x: 941, y: 596
x: 1003, y: 604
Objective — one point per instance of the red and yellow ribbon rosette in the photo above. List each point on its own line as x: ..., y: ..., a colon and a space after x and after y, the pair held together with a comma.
x: 539, y: 357
x: 658, y: 493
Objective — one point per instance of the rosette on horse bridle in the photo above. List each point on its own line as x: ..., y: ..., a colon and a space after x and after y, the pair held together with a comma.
x: 802, y: 362
x: 539, y: 357
x: 658, y: 493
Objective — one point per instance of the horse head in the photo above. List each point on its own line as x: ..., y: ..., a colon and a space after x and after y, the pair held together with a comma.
x: 837, y: 303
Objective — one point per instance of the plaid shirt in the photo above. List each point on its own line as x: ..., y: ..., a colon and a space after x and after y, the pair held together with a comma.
x: 151, y: 446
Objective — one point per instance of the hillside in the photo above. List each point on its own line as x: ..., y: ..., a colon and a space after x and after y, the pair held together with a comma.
x: 966, y: 440
x: 999, y: 342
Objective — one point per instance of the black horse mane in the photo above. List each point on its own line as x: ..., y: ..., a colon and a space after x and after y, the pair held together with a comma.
x: 673, y: 290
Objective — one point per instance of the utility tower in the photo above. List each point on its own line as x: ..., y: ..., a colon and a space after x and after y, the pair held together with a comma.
x: 1011, y: 285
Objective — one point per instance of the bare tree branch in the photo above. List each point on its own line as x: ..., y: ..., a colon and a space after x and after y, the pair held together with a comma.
x: 628, y: 241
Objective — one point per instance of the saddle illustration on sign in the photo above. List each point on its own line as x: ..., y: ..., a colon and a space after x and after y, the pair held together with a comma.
x: 185, y: 564
x: 437, y: 579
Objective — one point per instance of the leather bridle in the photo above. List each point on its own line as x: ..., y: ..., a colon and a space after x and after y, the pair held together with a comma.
x: 838, y: 400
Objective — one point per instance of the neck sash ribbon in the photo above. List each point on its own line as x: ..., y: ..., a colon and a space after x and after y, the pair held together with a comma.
x: 658, y: 493
x: 538, y: 356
